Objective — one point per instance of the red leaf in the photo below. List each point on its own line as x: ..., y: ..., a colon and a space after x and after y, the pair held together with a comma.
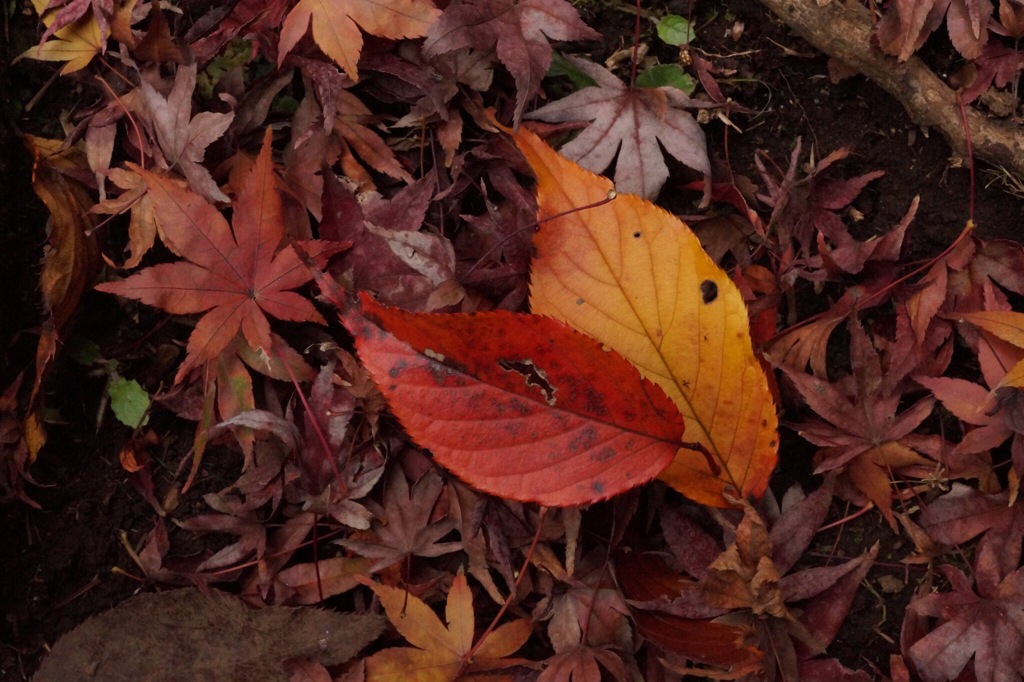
x: 238, y: 276
x: 520, y: 406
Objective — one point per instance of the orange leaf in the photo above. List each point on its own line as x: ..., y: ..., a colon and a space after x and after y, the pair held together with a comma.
x: 70, y: 263
x: 520, y: 406
x: 336, y: 26
x: 441, y: 653
x: 635, y: 278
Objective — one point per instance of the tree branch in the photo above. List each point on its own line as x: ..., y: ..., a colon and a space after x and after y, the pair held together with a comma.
x: 844, y: 33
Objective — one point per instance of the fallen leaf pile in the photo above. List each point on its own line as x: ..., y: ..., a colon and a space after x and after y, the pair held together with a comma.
x: 455, y: 371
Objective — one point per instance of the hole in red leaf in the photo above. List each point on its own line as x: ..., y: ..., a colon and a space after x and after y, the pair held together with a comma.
x: 534, y: 376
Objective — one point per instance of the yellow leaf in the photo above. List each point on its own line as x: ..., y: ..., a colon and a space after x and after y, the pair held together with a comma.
x: 635, y: 277
x: 75, y: 44
x: 441, y: 653
x: 336, y: 26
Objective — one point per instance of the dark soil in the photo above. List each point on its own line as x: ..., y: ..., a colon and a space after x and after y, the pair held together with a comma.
x: 56, y: 564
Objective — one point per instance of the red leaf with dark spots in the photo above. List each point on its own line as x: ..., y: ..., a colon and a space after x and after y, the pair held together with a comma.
x: 520, y: 406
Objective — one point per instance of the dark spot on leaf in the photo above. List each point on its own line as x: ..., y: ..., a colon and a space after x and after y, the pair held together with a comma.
x: 636, y: 235
x: 397, y: 369
x: 764, y: 422
x: 771, y: 443
x: 583, y: 440
x: 708, y: 291
x: 603, y: 455
x: 598, y: 487
x: 579, y: 301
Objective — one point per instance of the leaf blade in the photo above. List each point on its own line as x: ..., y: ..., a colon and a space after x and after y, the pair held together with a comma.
x: 547, y: 415
x: 636, y: 279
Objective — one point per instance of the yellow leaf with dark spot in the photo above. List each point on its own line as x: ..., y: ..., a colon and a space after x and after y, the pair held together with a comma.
x: 635, y: 277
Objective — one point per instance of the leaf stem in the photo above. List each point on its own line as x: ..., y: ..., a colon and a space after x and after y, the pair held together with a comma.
x: 467, y: 659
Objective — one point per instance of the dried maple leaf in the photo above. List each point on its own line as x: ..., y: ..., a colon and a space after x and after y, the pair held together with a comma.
x: 66, y: 12
x: 394, y: 254
x: 750, y: 575
x: 861, y: 428
x: 517, y: 31
x: 908, y: 23
x: 403, y: 526
x: 336, y: 26
x: 181, y: 137
x: 142, y: 228
x: 982, y: 621
x: 439, y: 653
x: 76, y: 43
x: 237, y: 276
x: 630, y: 122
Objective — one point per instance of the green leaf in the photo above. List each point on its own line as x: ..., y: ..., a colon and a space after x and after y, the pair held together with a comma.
x: 84, y: 351
x: 128, y: 400
x: 560, y: 66
x: 675, y: 30
x: 661, y: 75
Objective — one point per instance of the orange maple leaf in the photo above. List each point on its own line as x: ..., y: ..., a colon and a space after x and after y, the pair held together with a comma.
x: 238, y: 277
x: 336, y: 26
x: 440, y: 653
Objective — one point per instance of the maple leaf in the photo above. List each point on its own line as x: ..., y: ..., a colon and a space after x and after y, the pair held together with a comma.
x: 76, y: 43
x: 336, y: 26
x: 750, y: 575
x: 860, y: 427
x: 439, y: 653
x: 908, y: 23
x: 630, y: 122
x: 401, y: 263
x: 517, y: 31
x: 238, y: 277
x: 66, y: 12
x: 402, y: 527
x: 181, y: 137
x: 986, y: 624
x: 635, y: 278
x: 142, y: 227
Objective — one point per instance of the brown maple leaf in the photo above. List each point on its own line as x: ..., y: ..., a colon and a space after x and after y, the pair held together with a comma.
x: 630, y: 122
x: 181, y: 137
x: 517, y: 31
x: 908, y: 23
x: 983, y: 621
x: 403, y: 528
x: 861, y: 427
x: 750, y: 575
x: 238, y: 276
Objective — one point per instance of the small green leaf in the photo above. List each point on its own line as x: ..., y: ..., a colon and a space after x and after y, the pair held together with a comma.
x: 675, y: 30
x: 84, y: 351
x: 128, y: 400
x: 560, y: 66
x: 667, y: 74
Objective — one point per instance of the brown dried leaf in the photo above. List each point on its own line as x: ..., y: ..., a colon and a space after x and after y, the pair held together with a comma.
x: 193, y: 636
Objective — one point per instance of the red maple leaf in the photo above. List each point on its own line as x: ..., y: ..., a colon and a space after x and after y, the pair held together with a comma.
x: 237, y: 276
